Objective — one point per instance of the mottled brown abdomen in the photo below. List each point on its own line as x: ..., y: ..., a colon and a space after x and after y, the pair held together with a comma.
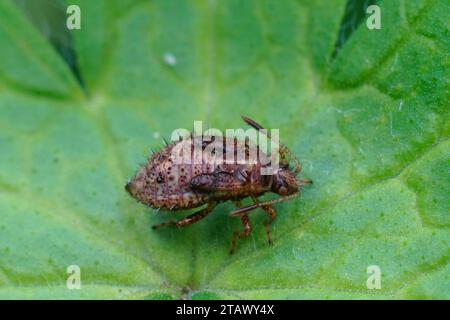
x: 166, y: 182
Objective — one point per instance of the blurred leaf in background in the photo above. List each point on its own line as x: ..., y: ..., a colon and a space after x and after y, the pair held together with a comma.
x: 366, y: 112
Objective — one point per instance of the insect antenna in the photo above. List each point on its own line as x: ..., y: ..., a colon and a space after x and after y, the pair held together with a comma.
x: 283, y: 149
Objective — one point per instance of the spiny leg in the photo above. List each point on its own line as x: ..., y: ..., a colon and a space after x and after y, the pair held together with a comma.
x: 272, y: 216
x: 246, y: 224
x: 189, y: 219
x: 245, y: 233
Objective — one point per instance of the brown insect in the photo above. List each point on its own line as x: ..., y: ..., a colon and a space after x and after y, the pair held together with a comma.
x: 163, y: 183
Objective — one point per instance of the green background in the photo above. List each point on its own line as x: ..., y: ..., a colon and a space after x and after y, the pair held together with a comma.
x: 366, y: 111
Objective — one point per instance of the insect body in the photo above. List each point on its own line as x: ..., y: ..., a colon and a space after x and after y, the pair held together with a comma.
x: 167, y: 184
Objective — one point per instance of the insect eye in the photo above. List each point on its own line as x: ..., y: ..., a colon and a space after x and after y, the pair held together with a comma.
x: 283, y: 191
x: 160, y: 179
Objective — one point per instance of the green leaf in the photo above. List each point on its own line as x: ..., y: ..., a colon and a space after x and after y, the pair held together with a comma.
x: 370, y: 126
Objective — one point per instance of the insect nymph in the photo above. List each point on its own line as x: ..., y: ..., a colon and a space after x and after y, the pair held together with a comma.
x: 163, y: 183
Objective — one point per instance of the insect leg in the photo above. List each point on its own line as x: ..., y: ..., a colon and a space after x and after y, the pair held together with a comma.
x: 245, y: 233
x: 189, y: 219
x: 272, y: 216
x: 263, y: 204
x: 219, y: 181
